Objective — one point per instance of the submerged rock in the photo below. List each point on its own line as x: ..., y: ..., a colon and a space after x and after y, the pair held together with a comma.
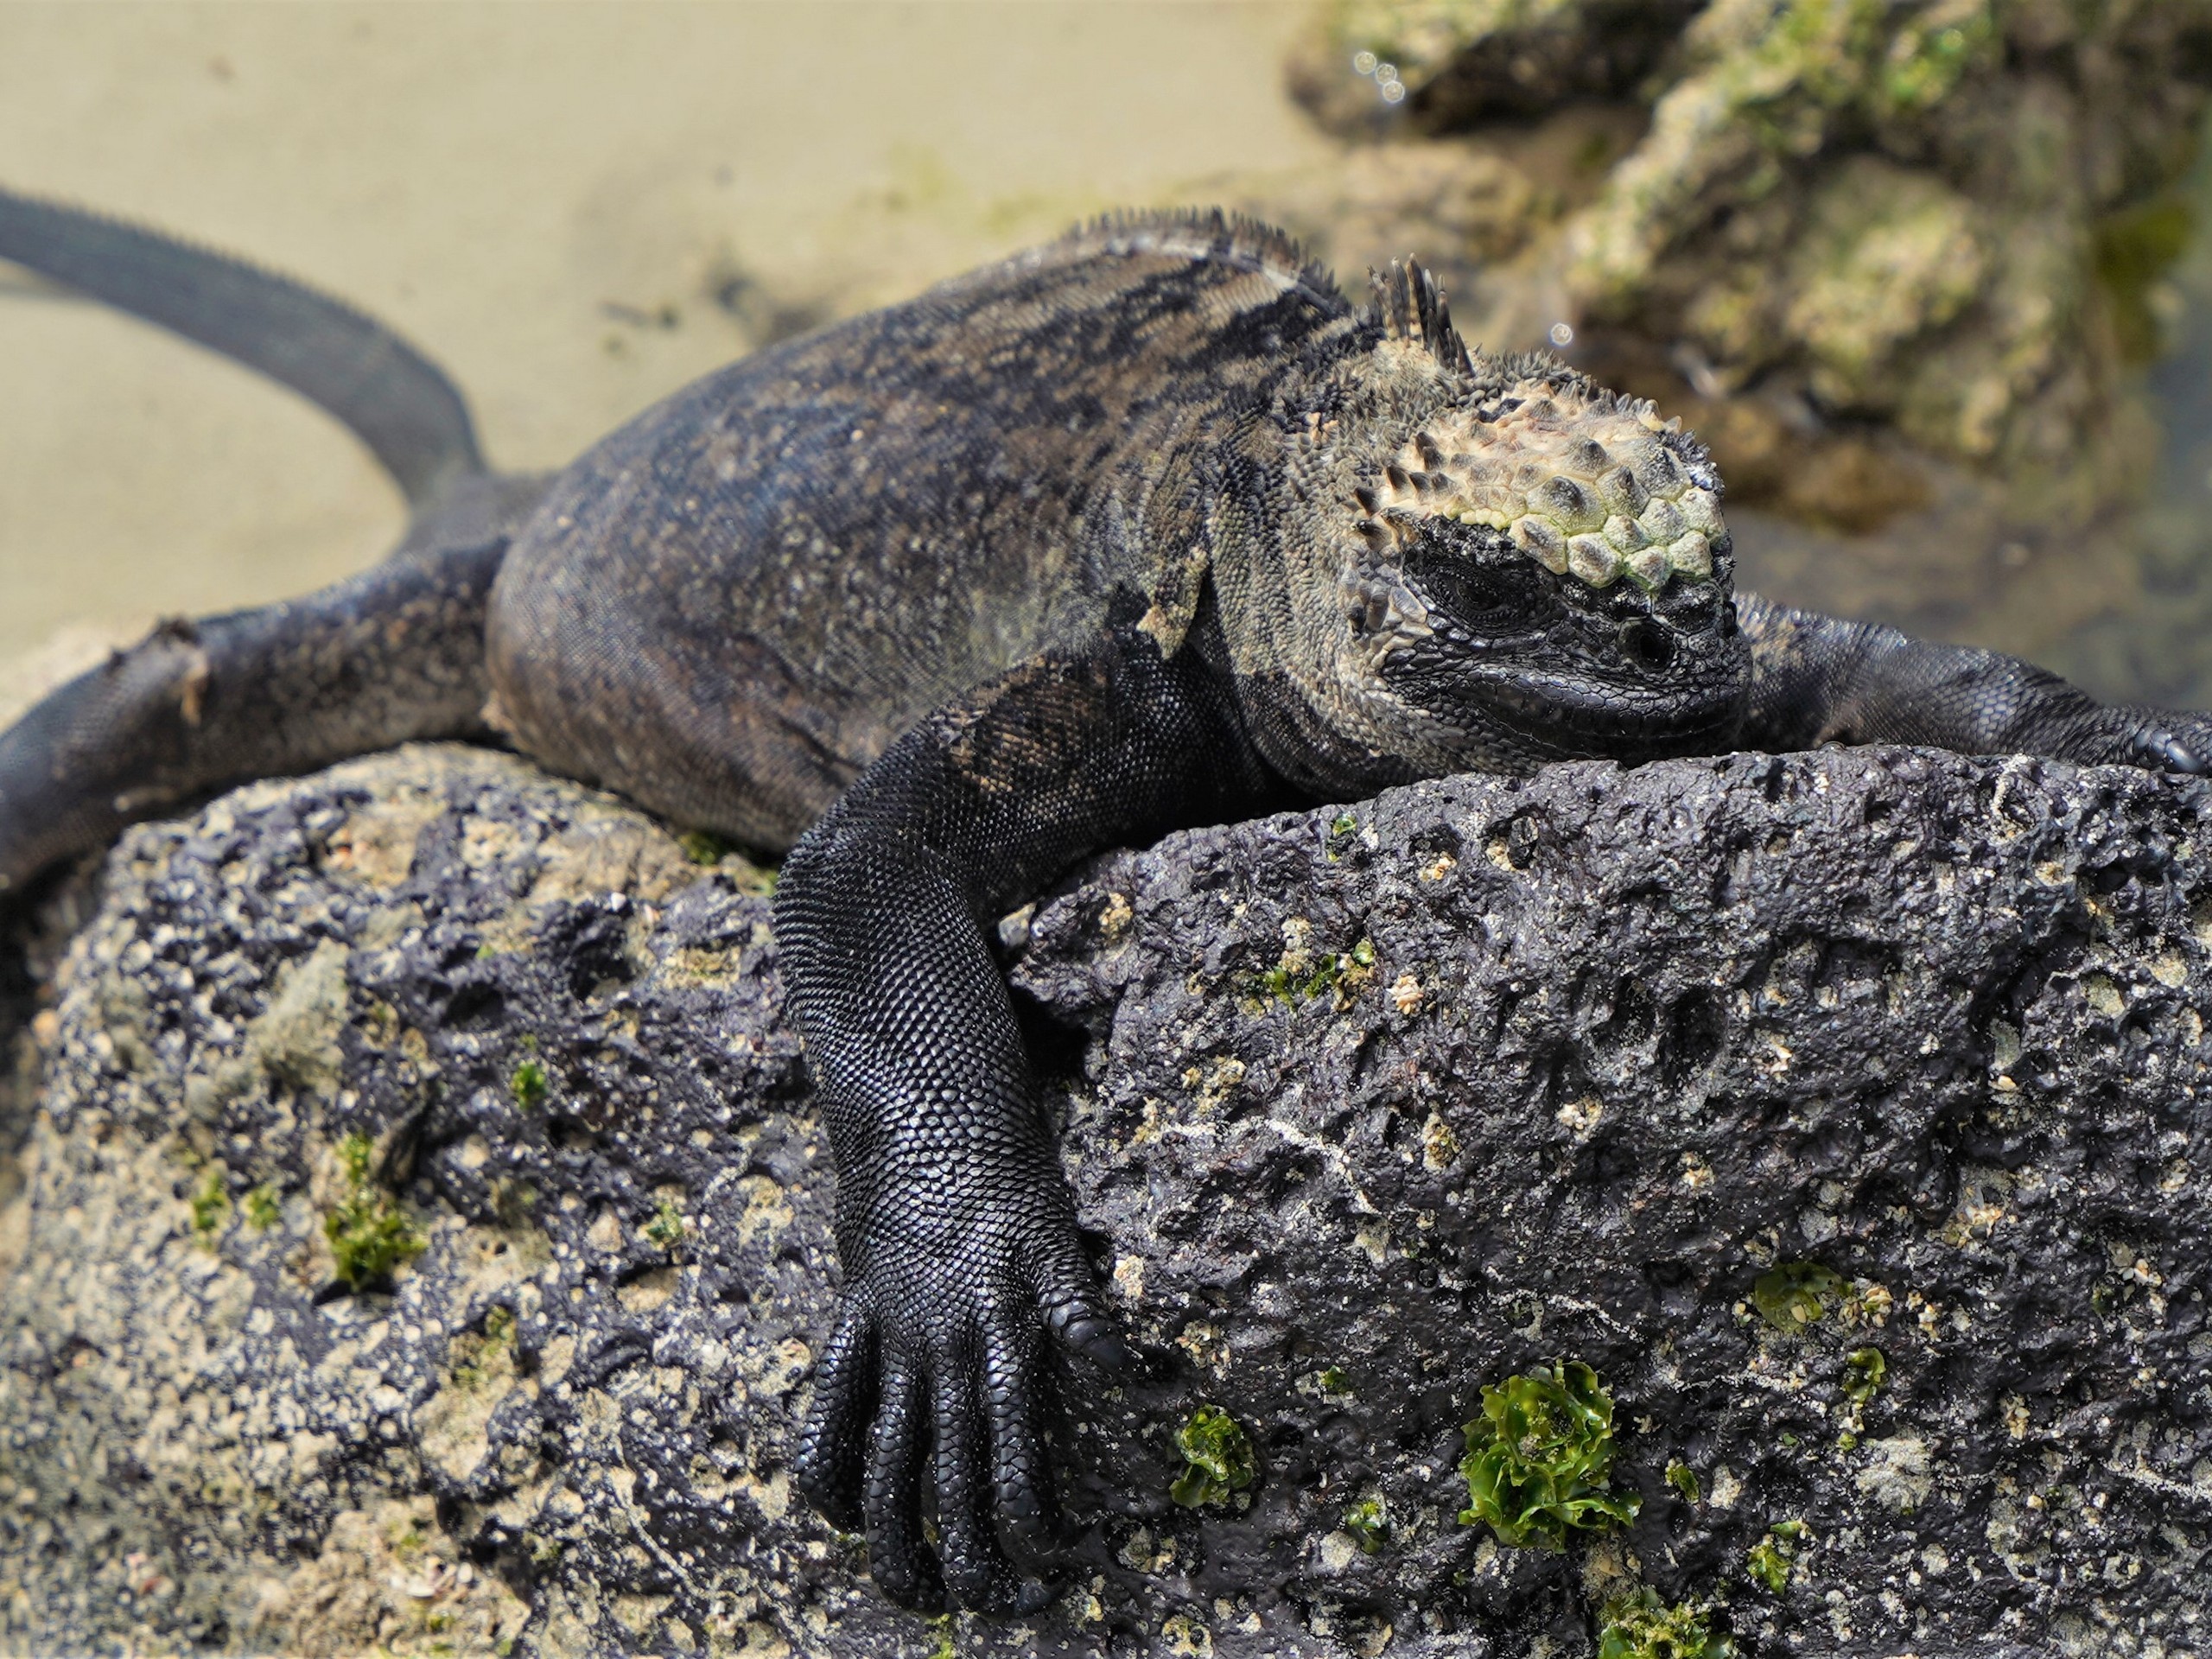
x: 1844, y: 1114
x: 1946, y: 218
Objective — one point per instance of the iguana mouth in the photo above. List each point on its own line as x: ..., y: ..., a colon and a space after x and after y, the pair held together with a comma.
x: 1573, y: 719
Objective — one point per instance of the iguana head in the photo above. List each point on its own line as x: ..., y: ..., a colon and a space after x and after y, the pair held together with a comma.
x: 1519, y: 565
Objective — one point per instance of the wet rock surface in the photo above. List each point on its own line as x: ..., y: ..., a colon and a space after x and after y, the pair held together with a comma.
x: 1368, y: 1109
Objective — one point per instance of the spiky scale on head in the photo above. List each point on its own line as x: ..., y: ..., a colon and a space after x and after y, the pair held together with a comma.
x: 1595, y: 489
x: 1585, y: 482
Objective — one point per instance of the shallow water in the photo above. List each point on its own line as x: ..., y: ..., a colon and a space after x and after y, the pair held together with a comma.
x: 548, y: 198
x: 578, y: 208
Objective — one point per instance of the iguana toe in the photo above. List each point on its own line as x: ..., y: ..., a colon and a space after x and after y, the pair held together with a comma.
x: 899, y: 1558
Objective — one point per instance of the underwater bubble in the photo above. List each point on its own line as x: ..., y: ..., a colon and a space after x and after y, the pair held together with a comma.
x: 1562, y: 334
x: 1393, y: 90
x: 1363, y: 63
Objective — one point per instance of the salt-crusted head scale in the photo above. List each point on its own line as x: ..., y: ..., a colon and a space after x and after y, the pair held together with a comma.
x: 1585, y: 482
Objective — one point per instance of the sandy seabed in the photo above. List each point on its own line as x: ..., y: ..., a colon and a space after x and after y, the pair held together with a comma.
x: 575, y: 208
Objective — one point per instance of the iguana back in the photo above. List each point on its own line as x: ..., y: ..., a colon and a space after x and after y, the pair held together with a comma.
x: 733, y: 604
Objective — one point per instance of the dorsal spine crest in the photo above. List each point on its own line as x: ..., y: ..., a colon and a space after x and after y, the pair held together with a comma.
x: 1410, y: 306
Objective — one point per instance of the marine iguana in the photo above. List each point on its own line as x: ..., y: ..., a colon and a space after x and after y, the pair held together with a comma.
x: 1145, y: 528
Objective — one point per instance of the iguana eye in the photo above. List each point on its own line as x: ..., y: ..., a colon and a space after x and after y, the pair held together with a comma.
x: 1649, y: 643
x: 1482, y: 598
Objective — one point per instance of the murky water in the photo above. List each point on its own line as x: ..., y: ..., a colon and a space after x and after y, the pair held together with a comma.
x: 2156, y: 642
x: 578, y: 208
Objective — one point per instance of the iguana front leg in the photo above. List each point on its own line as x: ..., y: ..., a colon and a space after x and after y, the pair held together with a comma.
x: 955, y: 1226
x: 1816, y: 679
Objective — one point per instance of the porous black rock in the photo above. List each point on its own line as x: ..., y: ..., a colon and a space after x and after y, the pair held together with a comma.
x: 1367, y: 1109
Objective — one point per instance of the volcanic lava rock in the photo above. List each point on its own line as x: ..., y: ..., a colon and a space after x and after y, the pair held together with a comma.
x: 424, y: 1236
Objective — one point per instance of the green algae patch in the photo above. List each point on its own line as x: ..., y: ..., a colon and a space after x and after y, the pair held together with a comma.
x: 1796, y: 1295
x: 1641, y: 1626
x: 528, y: 1084
x: 701, y: 846
x: 210, y: 1204
x: 1927, y: 57
x: 1217, y: 1457
x: 1683, y: 1479
x: 1864, y: 1371
x: 1368, y: 1522
x: 666, y: 1230
x: 1302, y: 974
x: 474, y: 1358
x: 263, y: 1207
x: 2131, y: 251
x: 369, y: 1235
x: 1539, y: 1458
x: 1771, y: 1558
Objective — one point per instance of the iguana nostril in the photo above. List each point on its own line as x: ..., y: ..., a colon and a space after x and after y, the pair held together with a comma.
x: 1649, y: 643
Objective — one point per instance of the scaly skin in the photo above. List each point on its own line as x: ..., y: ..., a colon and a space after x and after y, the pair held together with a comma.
x: 1149, y: 527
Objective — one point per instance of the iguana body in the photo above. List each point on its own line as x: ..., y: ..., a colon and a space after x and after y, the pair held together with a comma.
x: 1146, y: 528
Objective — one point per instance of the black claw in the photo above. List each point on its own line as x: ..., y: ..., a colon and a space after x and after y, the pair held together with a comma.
x: 1030, y: 1596
x: 2158, y: 746
x: 1082, y: 1329
x: 2180, y: 757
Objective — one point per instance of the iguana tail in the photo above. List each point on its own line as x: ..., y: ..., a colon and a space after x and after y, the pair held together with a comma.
x: 394, y: 398
x: 393, y: 654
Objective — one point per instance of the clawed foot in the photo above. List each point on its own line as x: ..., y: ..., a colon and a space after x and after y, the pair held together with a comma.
x: 2158, y: 739
x: 930, y: 1403
x: 2156, y: 743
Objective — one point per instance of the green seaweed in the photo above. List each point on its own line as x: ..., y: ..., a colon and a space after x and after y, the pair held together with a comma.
x: 528, y: 1085
x: 1368, y: 1522
x: 1683, y: 1479
x: 1218, y: 1458
x: 666, y: 1229
x: 263, y: 1207
x: 1864, y: 1371
x: 1344, y: 973
x: 702, y: 846
x: 1795, y: 1295
x: 1641, y: 1626
x: 1539, y: 1458
x: 369, y: 1234
x: 1333, y: 1380
x: 211, y: 1202
x: 2131, y: 251
x: 475, y: 1354
x: 1771, y: 1558
x: 1924, y: 65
